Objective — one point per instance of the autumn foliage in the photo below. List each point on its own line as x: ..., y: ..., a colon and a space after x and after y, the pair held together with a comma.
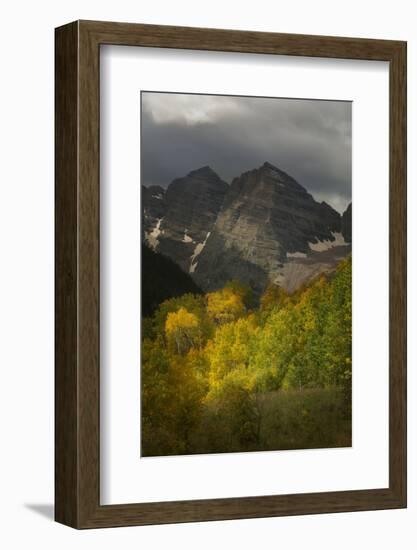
x: 220, y: 374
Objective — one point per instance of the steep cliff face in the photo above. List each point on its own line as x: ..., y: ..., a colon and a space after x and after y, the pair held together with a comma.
x: 190, y: 208
x: 267, y: 221
x: 264, y: 227
x: 347, y: 224
x: 153, y: 210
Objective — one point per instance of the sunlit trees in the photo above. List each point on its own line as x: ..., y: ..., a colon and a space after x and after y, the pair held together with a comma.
x: 276, y: 350
x: 212, y: 365
x: 182, y: 329
x: 244, y: 291
x: 193, y: 304
x: 225, y: 306
x: 229, y: 354
x: 339, y: 330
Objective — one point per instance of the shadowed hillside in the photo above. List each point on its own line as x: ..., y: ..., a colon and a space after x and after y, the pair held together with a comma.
x: 162, y: 279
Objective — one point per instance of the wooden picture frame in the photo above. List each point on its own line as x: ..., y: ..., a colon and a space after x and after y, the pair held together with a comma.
x: 77, y: 374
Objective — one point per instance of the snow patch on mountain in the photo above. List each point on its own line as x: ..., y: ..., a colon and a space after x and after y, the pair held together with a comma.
x: 197, y: 251
x: 321, y: 246
x: 186, y: 238
x: 152, y: 237
x: 296, y: 255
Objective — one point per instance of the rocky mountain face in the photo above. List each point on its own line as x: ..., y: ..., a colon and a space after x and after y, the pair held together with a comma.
x: 264, y: 227
x: 153, y: 201
x: 347, y: 224
x: 188, y: 211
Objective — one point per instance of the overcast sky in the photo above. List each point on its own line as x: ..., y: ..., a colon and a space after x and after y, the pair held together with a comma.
x: 308, y: 139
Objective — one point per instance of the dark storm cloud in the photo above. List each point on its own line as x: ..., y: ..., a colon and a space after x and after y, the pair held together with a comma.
x: 309, y: 139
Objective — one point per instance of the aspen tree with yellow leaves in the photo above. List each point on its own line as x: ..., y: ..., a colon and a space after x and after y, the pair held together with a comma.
x: 222, y: 373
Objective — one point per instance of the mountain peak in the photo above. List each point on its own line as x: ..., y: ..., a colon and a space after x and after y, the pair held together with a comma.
x: 327, y: 206
x: 263, y: 227
x: 268, y: 165
x: 196, y: 180
x: 280, y: 176
x: 277, y: 171
x: 205, y: 171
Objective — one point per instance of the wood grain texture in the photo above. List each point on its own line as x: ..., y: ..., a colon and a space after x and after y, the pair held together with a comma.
x: 78, y: 284
x: 398, y: 273
x: 66, y: 237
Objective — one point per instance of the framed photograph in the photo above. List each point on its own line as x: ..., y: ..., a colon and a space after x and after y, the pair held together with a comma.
x: 230, y: 274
